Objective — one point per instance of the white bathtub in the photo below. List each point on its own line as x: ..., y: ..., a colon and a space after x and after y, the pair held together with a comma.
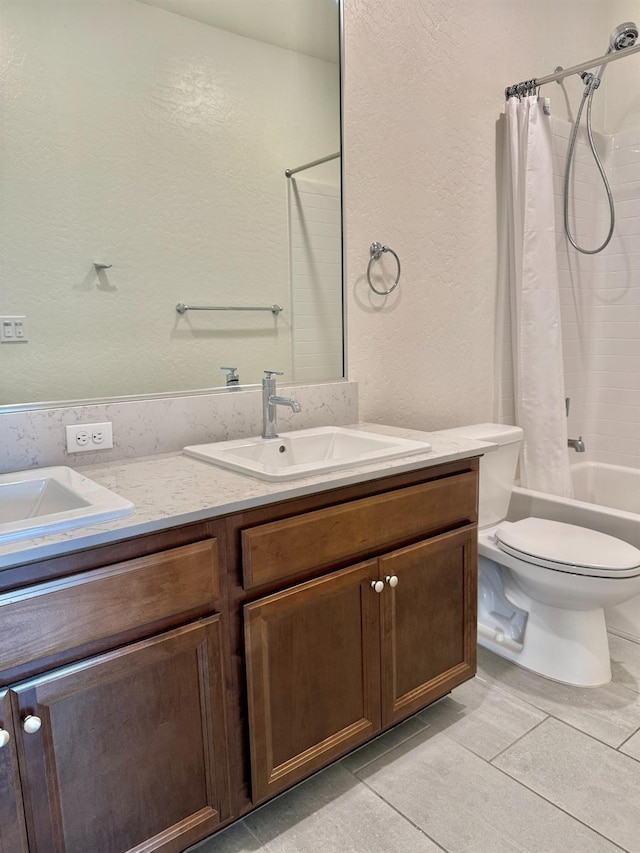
x: 607, y: 499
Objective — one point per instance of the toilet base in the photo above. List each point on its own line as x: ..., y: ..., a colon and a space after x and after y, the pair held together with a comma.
x: 570, y: 646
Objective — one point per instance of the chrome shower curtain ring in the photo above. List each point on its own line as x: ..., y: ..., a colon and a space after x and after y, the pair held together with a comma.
x: 376, y: 251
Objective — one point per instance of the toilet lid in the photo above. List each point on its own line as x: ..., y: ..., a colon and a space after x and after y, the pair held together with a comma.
x: 568, y: 547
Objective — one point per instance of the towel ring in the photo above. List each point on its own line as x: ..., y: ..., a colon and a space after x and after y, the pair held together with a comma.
x: 376, y: 251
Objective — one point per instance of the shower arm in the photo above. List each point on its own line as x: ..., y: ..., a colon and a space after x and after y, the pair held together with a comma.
x: 528, y: 86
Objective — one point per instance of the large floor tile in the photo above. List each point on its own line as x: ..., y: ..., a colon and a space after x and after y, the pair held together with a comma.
x: 468, y: 806
x: 332, y: 813
x: 596, y: 784
x: 383, y: 744
x: 482, y: 717
x: 625, y: 662
x: 610, y: 713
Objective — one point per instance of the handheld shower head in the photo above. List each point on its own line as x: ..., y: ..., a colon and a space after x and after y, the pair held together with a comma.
x: 624, y: 35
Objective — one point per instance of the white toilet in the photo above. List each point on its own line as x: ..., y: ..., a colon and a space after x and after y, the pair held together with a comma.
x: 543, y: 585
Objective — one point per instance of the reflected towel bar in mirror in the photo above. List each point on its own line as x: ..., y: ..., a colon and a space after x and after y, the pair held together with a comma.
x: 181, y: 308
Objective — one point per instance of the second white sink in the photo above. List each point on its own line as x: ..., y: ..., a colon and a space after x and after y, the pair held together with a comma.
x: 46, y: 500
x: 305, y: 452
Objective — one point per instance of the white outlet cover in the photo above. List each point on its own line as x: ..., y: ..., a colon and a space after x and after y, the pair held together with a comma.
x: 93, y: 437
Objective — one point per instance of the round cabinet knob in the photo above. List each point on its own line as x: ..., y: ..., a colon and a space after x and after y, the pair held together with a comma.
x: 5, y: 737
x: 377, y: 586
x: 392, y: 580
x: 31, y: 724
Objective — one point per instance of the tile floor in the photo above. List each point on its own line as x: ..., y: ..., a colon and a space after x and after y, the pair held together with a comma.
x: 507, y: 762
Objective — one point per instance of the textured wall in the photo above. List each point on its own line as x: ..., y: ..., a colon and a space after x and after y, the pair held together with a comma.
x: 141, y: 138
x: 424, y: 90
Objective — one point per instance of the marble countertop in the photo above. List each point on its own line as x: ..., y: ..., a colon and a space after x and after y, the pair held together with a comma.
x: 171, y: 489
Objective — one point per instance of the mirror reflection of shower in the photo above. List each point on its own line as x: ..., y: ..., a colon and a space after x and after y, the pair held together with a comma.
x: 623, y: 36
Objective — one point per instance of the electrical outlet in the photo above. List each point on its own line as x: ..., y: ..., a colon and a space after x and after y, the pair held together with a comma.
x: 84, y: 437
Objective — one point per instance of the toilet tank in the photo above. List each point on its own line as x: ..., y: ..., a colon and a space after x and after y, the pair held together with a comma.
x: 497, y: 467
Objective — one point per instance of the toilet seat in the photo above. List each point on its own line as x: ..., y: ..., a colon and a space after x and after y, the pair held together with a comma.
x: 568, y: 548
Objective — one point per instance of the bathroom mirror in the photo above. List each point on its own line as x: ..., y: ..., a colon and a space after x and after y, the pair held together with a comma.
x: 144, y: 149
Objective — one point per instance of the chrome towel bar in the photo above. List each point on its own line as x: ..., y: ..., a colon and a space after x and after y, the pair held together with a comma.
x: 181, y: 308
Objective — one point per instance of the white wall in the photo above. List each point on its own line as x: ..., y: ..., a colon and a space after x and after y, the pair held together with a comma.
x: 140, y: 138
x: 424, y: 89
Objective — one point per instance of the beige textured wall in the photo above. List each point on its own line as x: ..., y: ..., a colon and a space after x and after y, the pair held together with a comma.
x: 424, y: 89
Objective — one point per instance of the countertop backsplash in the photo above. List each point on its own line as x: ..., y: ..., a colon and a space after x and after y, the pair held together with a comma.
x: 36, y: 437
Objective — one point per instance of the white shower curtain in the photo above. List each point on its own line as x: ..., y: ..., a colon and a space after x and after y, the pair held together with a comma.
x: 530, y: 284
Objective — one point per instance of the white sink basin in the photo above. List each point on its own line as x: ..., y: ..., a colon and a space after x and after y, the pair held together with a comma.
x: 45, y: 500
x: 305, y: 452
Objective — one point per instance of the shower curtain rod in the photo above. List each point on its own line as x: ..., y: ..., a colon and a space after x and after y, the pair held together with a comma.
x: 528, y: 86
x: 290, y: 172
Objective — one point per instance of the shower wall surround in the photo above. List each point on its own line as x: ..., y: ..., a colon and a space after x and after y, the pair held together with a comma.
x: 145, y: 427
x: 600, y: 296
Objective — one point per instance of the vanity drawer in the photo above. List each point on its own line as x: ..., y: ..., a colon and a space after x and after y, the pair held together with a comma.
x: 89, y: 607
x: 294, y: 546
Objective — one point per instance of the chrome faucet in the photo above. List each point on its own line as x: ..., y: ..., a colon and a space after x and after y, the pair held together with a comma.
x: 233, y: 379
x: 270, y: 401
x: 577, y: 444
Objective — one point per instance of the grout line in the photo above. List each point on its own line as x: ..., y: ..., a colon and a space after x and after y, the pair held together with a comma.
x: 403, y: 816
x: 560, y: 809
x: 517, y: 740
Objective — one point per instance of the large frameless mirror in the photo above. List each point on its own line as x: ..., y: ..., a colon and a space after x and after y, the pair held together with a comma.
x: 144, y: 148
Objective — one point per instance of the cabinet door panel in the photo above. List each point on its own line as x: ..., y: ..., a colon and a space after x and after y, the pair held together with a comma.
x: 13, y: 836
x: 313, y: 669
x: 131, y: 754
x: 428, y: 622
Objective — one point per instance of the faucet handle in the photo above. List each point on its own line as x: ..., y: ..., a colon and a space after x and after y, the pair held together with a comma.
x: 232, y: 376
x: 271, y: 373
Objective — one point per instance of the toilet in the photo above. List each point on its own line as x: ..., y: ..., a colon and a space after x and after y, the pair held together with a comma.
x: 543, y: 585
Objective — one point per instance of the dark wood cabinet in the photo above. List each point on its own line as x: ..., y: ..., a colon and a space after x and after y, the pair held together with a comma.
x: 428, y: 621
x: 120, y: 672
x: 313, y: 669
x: 178, y: 679
x: 13, y: 833
x: 332, y: 661
x: 131, y: 748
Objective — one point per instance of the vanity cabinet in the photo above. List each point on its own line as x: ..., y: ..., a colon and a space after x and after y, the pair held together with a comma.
x: 334, y: 660
x: 125, y: 749
x: 155, y: 689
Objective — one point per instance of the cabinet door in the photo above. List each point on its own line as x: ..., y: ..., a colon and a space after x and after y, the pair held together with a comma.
x: 131, y: 751
x: 428, y: 621
x: 13, y: 836
x: 313, y: 670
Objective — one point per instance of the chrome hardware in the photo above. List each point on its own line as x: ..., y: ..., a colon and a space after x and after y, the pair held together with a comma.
x: 290, y: 172
x: 270, y: 401
x: 527, y: 87
x: 377, y: 586
x: 31, y: 724
x: 232, y: 375
x: 577, y: 444
x: 392, y: 580
x: 567, y: 404
x: 182, y: 308
x: 376, y: 250
x: 5, y: 737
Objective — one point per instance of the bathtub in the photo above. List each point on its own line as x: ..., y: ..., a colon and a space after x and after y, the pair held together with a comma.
x: 607, y: 498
